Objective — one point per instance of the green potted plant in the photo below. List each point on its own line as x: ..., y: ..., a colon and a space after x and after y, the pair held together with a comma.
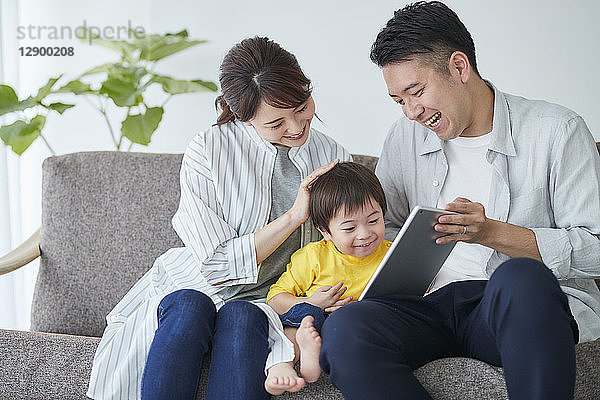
x: 119, y: 84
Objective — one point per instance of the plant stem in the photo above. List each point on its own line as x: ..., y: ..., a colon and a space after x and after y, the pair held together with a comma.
x: 112, y: 134
x: 90, y: 102
x: 121, y: 138
x: 47, y: 144
x: 167, y: 99
x: 103, y: 112
x: 130, y: 146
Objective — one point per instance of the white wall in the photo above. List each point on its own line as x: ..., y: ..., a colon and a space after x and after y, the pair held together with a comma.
x: 538, y: 49
x: 535, y: 48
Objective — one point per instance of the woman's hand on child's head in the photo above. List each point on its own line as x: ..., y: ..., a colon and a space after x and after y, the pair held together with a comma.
x: 328, y: 296
x: 300, y: 210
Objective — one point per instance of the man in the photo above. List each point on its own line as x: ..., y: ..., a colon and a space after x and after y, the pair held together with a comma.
x: 523, y: 177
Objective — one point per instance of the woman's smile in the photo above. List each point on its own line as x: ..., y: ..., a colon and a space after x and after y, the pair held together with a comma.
x: 297, y: 136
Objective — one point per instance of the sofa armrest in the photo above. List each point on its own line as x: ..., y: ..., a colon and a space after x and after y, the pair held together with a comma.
x: 28, y: 251
x: 36, y: 365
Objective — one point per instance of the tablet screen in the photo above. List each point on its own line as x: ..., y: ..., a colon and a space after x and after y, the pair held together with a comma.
x: 413, y: 260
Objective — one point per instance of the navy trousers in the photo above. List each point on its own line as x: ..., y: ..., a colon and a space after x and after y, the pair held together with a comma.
x: 519, y: 319
x: 187, y: 324
x: 294, y: 316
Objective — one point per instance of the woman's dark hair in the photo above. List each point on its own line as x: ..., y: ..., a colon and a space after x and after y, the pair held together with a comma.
x: 428, y: 29
x: 349, y: 185
x: 258, y: 69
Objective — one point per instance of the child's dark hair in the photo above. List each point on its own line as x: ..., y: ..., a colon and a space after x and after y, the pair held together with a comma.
x: 429, y: 30
x: 258, y: 69
x: 348, y: 185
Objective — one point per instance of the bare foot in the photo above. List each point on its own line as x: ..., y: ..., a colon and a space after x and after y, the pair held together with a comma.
x: 281, y: 378
x: 309, y: 342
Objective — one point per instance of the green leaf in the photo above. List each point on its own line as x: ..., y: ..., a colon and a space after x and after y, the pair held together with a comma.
x: 20, y: 134
x: 123, y: 85
x: 45, y: 90
x: 208, y: 84
x: 75, y: 87
x: 99, y: 69
x: 9, y: 102
x: 164, y: 50
x: 155, y: 47
x: 59, y: 107
x: 20, y: 106
x: 178, y: 86
x: 140, y: 127
x: 182, y: 34
x: 123, y: 47
x: 131, y: 73
x: 124, y: 92
x: 8, y: 97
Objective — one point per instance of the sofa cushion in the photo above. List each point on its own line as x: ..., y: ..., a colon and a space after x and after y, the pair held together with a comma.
x: 36, y: 365
x: 462, y: 378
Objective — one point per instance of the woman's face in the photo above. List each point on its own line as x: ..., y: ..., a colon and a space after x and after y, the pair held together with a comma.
x: 284, y: 126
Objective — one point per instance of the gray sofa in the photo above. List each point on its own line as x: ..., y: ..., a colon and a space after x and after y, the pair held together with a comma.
x: 105, y: 218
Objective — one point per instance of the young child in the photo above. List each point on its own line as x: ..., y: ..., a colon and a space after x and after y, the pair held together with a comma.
x: 347, y: 205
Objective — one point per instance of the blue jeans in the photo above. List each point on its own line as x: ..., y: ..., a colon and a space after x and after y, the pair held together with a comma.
x: 519, y: 319
x: 187, y: 324
x: 295, y: 315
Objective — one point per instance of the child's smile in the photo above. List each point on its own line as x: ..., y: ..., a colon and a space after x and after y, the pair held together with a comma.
x: 359, y: 232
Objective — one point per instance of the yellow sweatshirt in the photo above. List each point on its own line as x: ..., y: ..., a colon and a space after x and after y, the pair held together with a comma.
x: 321, y: 263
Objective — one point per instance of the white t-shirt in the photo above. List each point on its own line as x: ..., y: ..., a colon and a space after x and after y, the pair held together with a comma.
x: 469, y: 176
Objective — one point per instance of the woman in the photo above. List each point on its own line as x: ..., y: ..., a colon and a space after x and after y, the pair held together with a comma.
x: 243, y: 211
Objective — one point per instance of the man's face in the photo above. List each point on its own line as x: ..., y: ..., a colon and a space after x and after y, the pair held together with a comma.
x: 436, y: 100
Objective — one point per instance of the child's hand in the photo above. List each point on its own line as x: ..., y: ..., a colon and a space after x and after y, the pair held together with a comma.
x: 339, y: 304
x: 328, y: 296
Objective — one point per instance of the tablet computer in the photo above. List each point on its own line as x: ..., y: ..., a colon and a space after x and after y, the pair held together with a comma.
x: 413, y: 260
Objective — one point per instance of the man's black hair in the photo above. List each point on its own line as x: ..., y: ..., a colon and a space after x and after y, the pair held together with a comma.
x: 429, y: 30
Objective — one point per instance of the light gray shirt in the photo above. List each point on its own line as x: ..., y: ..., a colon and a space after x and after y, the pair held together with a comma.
x: 545, y: 177
x: 285, y: 183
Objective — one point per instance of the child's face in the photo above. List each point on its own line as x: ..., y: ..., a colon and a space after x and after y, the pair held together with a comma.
x: 357, y: 233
